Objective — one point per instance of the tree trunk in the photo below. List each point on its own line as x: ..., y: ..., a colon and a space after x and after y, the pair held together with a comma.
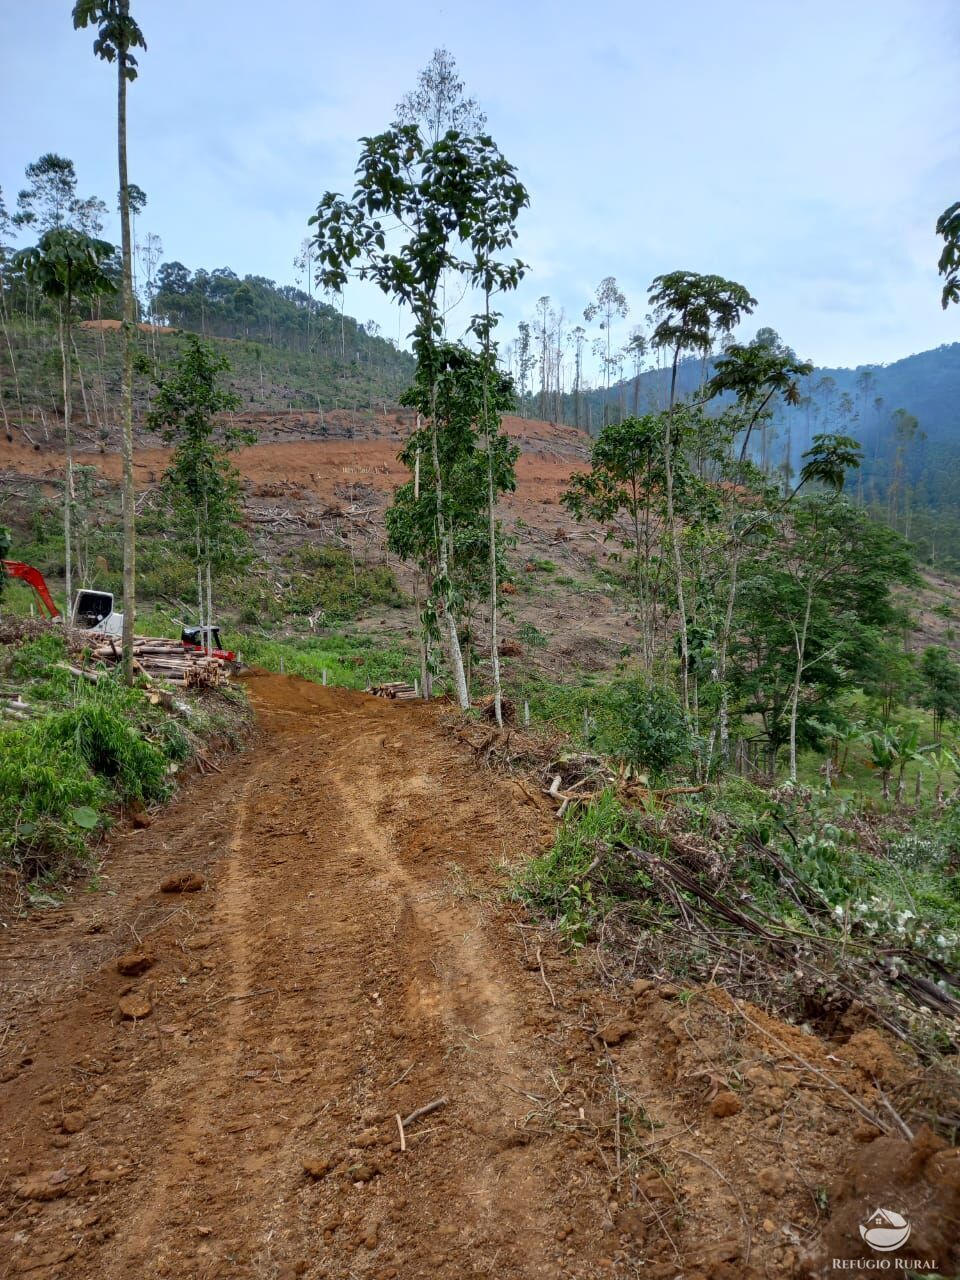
x: 64, y: 329
x: 675, y: 542
x: 491, y: 526
x: 126, y: 382
x: 454, y: 656
x: 801, y: 643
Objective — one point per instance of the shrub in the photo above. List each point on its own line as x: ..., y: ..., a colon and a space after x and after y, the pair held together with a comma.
x: 644, y: 725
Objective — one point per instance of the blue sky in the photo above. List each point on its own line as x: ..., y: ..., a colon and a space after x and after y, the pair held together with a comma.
x: 803, y: 149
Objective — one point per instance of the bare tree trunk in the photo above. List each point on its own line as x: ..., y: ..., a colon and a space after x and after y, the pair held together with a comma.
x: 64, y: 330
x: 675, y: 541
x: 801, y: 644
x: 126, y: 383
x: 454, y: 656
x: 491, y: 524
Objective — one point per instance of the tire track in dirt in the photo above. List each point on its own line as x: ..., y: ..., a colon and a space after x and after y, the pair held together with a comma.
x: 347, y: 963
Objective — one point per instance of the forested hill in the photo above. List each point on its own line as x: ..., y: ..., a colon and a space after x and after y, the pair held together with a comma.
x: 221, y: 304
x: 906, y: 416
x: 865, y: 399
x: 286, y: 349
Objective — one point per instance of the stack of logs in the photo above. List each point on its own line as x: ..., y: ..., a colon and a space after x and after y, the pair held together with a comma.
x: 398, y: 689
x: 168, y: 660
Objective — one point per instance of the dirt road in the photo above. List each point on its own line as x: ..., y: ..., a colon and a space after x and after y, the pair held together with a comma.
x: 350, y: 959
x: 345, y: 963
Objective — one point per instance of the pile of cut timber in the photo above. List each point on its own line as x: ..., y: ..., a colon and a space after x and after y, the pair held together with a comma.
x: 394, y: 689
x: 162, y: 659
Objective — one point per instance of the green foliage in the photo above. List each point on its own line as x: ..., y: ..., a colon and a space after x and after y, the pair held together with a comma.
x: 452, y: 385
x: 643, y: 724
x: 555, y: 884
x: 67, y: 265
x: 940, y: 677
x: 354, y: 661
x: 328, y: 580
x: 4, y: 553
x: 117, y: 32
x: 948, y: 226
x: 91, y: 747
x: 202, y: 484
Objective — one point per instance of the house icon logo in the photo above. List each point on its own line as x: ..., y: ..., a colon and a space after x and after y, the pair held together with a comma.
x: 885, y: 1231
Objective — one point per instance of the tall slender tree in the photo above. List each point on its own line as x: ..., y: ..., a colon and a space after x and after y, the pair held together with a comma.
x: 610, y: 304
x: 117, y: 35
x: 437, y: 194
x: 67, y: 265
x: 691, y: 311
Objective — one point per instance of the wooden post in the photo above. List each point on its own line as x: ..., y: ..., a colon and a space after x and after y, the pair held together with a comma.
x: 526, y: 713
x: 324, y: 675
x: 281, y: 664
x: 416, y: 687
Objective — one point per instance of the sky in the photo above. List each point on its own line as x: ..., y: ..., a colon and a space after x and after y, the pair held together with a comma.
x: 805, y: 150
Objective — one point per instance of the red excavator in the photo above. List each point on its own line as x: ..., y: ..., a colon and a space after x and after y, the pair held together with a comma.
x: 93, y: 611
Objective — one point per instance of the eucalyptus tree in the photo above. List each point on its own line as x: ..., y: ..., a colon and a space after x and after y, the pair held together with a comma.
x: 526, y: 361
x: 66, y: 266
x: 948, y: 226
x: 493, y: 235
x: 626, y: 477
x: 469, y: 390
x: 691, y: 311
x: 419, y: 209
x: 201, y: 481
x: 437, y: 104
x: 117, y: 35
x: 635, y: 349
x: 610, y: 304
x: 756, y: 373
x: 50, y: 198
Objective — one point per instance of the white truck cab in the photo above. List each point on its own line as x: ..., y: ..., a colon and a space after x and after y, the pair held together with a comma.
x: 93, y: 611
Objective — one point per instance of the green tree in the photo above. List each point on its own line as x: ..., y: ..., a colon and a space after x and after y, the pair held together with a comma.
x: 691, y: 311
x: 940, y: 686
x: 67, y: 266
x: 610, y: 304
x: 468, y: 443
x: 201, y: 482
x: 437, y: 194
x: 809, y: 611
x: 4, y: 552
x: 948, y: 226
x: 117, y: 35
x: 51, y: 197
x: 757, y: 373
x: 625, y: 479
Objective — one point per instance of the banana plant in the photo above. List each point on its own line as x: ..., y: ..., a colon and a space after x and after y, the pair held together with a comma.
x: 944, y: 760
x: 884, y: 752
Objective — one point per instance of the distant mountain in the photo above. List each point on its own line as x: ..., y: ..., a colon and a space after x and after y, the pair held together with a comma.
x: 906, y: 416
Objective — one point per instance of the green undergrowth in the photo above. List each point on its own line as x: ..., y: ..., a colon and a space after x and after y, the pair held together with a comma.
x: 85, y: 749
x: 805, y: 860
x: 354, y: 661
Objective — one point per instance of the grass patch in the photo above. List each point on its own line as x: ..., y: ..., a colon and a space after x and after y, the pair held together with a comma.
x: 352, y: 661
x: 89, y: 747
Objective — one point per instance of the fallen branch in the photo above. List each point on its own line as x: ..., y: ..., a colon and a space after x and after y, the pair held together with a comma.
x: 553, y: 999
x: 403, y: 1136
x: 424, y: 1111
